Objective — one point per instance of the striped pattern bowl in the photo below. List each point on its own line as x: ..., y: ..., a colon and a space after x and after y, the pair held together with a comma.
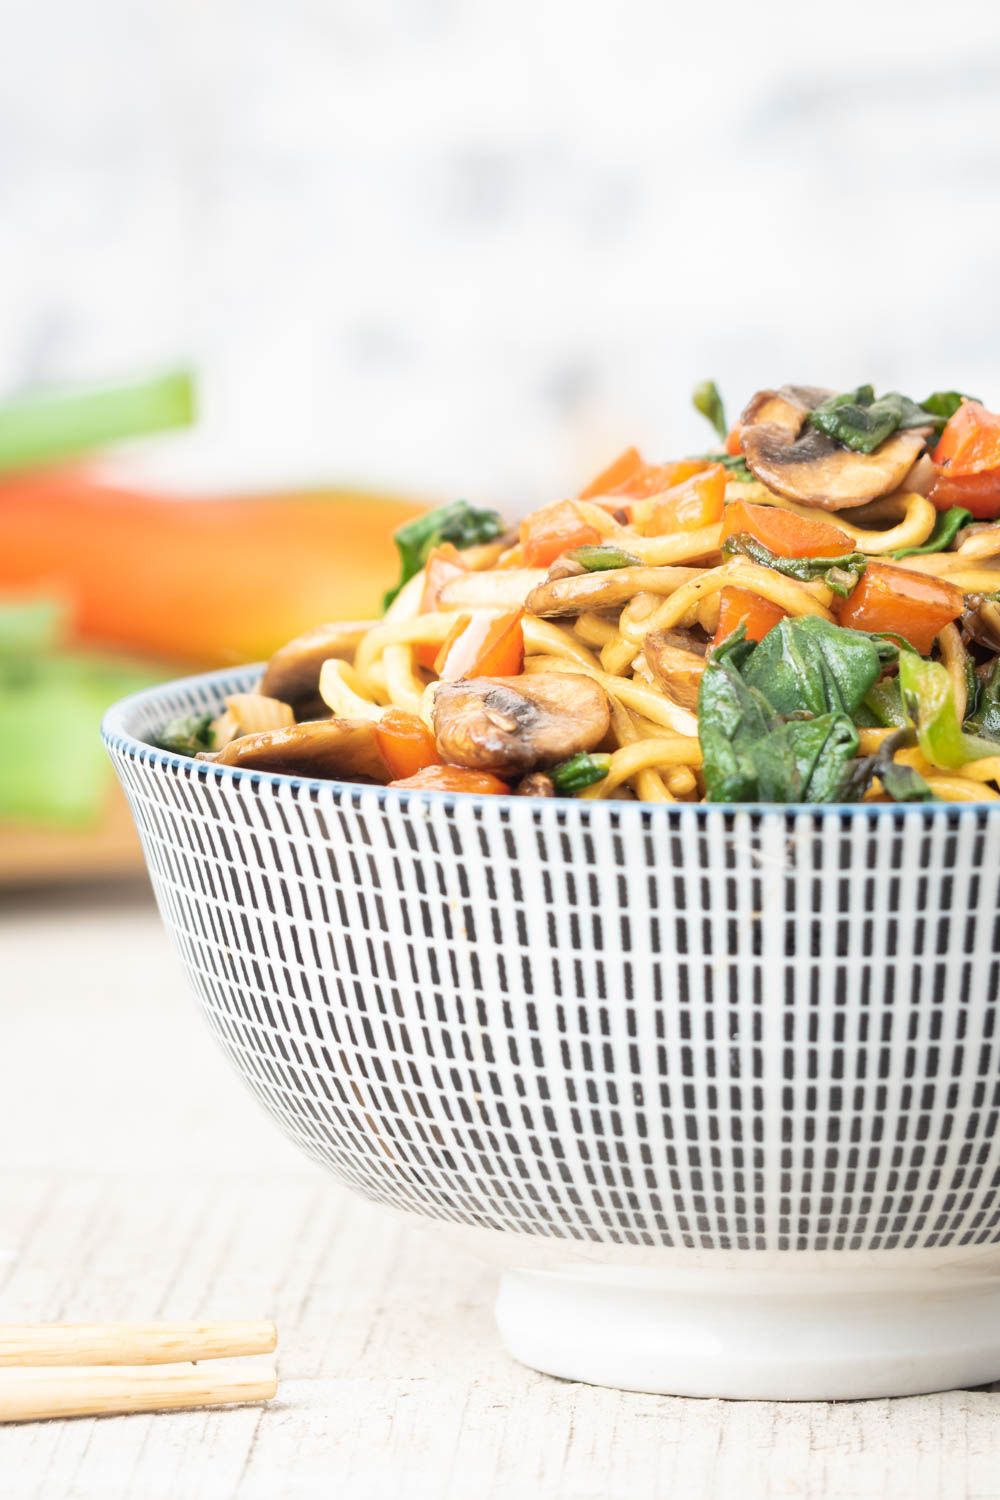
x: 719, y: 1089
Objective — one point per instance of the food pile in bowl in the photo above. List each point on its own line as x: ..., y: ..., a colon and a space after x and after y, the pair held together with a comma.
x: 809, y: 614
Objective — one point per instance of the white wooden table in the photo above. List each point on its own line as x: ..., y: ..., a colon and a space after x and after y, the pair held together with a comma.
x: 138, y: 1180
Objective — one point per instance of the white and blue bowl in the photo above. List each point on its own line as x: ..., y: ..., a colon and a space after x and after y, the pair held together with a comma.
x: 718, y: 1088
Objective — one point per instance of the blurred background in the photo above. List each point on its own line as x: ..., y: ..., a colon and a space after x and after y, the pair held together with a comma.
x: 422, y: 249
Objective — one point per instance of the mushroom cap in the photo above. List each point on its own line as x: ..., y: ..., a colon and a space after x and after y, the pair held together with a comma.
x: 510, y: 725
x: 675, y: 666
x: 341, y: 749
x: 292, y: 674
x: 812, y: 469
x: 981, y: 622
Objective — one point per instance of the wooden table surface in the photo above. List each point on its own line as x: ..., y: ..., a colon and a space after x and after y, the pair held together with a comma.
x: 140, y: 1181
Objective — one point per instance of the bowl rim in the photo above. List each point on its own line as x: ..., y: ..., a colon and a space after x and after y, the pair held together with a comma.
x: 119, y: 738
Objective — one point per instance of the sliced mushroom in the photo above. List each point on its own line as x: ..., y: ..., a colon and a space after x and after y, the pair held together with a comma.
x: 674, y: 666
x: 603, y: 590
x: 292, y: 674
x: 342, y: 749
x: 504, y: 588
x: 535, y: 784
x: 980, y: 540
x: 512, y: 724
x: 805, y: 465
x: 981, y: 622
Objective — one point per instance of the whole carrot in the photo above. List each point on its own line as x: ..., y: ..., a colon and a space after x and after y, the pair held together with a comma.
x: 204, y: 580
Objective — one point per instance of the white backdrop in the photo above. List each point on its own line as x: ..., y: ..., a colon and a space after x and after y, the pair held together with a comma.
x: 472, y: 247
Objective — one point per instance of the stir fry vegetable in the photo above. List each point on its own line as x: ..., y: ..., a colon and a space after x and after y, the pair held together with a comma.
x: 790, y: 620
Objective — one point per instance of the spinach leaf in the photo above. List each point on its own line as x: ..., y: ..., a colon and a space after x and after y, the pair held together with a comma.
x: 861, y: 423
x: 904, y: 784
x: 839, y: 573
x: 187, y: 734
x: 750, y: 753
x: 885, y: 702
x: 459, y: 522
x: 775, y: 719
x: 822, y: 751
x: 946, y: 528
x: 901, y: 783
x: 943, y: 405
x: 707, y: 400
x: 733, y: 721
x: 807, y: 665
x: 602, y: 558
x: 734, y: 464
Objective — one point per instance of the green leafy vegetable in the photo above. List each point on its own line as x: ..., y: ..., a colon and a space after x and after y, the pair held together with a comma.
x: 601, y: 559
x: 580, y: 771
x: 187, y: 734
x: 946, y: 528
x: 459, y: 522
x: 885, y: 702
x: 861, y: 423
x: 776, y: 719
x: 840, y: 573
x: 930, y: 702
x: 942, y: 405
x: 707, y: 400
x: 984, y: 715
x: 52, y: 424
x: 750, y: 753
x: 734, y: 464
x: 900, y: 782
x: 807, y: 665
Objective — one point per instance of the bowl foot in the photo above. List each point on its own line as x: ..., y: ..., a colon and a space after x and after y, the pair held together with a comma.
x: 782, y: 1335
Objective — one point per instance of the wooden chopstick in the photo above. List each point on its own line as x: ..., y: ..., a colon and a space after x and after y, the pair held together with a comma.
x: 36, y: 1393
x: 100, y: 1369
x: 130, y: 1343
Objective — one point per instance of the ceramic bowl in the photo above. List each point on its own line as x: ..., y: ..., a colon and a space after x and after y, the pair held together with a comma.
x: 719, y: 1088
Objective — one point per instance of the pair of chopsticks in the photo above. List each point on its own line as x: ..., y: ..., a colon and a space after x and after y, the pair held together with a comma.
x: 103, y: 1369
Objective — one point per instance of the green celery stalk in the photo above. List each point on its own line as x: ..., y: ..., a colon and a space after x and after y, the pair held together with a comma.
x: 54, y: 424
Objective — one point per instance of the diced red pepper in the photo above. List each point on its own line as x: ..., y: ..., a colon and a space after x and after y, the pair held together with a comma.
x: 405, y: 743
x: 698, y: 501
x: 734, y: 442
x: 454, y: 779
x: 743, y: 607
x: 482, y: 646
x: 548, y: 533
x: 630, y: 475
x: 784, y: 533
x: 970, y: 443
x: 979, y: 494
x: 898, y: 601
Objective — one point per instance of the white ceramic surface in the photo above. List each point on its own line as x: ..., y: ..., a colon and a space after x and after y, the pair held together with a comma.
x: 719, y: 1087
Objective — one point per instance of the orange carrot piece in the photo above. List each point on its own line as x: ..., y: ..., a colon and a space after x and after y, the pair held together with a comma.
x: 743, y: 607
x: 783, y: 533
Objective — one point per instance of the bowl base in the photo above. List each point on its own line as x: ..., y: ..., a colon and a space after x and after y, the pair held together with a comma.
x: 779, y: 1336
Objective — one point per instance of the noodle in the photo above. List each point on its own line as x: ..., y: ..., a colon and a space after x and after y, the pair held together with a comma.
x: 637, y: 591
